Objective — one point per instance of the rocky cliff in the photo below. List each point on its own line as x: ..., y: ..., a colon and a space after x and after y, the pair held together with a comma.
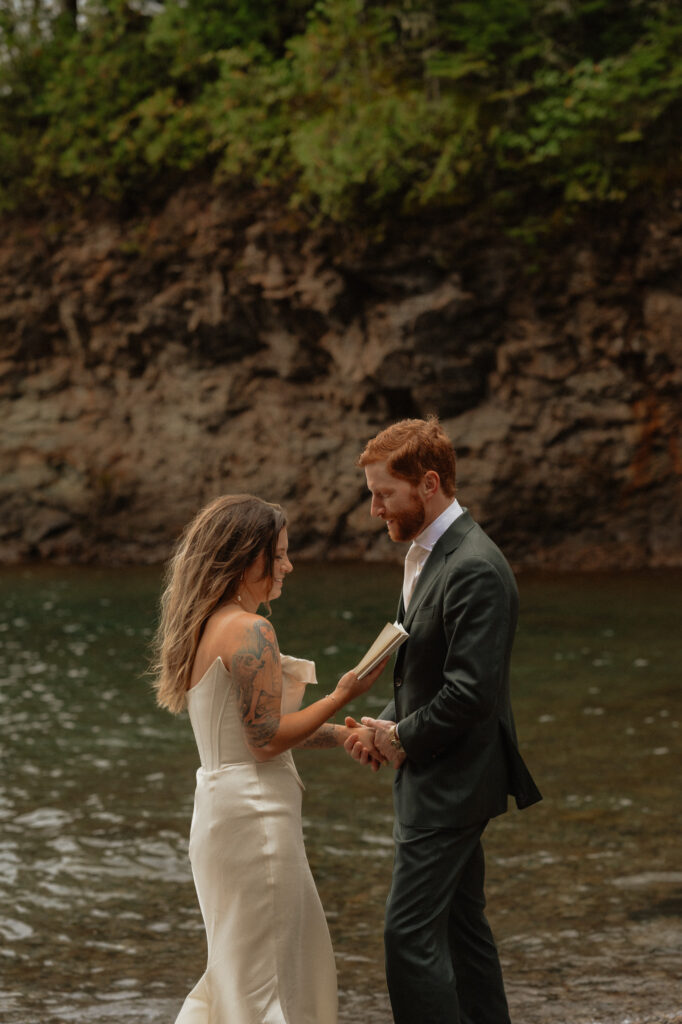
x: 221, y: 345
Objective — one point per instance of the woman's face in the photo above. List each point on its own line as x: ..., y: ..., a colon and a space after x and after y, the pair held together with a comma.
x: 263, y: 589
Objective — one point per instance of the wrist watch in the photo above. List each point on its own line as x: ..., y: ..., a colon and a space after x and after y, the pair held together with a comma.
x: 394, y: 739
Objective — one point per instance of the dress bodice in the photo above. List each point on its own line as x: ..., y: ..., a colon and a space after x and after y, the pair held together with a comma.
x: 213, y: 706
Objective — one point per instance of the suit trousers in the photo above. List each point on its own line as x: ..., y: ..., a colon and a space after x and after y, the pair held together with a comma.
x: 442, y: 965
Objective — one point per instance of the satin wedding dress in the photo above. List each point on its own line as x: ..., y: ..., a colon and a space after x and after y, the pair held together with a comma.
x: 270, y: 959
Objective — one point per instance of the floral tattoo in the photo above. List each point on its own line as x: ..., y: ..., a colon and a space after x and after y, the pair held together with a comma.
x: 256, y: 671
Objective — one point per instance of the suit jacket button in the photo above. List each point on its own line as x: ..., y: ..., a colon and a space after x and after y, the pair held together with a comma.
x: 398, y: 681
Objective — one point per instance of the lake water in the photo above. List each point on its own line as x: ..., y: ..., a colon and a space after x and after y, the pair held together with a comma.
x: 98, y: 915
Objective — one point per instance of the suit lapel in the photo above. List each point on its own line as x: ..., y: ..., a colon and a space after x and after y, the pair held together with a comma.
x: 448, y: 543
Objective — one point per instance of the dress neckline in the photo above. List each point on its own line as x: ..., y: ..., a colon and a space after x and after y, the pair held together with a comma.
x: 207, y: 673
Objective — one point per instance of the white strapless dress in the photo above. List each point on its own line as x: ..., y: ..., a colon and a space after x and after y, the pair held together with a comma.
x: 270, y: 958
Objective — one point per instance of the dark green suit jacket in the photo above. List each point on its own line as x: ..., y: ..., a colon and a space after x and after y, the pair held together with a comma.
x: 451, y: 687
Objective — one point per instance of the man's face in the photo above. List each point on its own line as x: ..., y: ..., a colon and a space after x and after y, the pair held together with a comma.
x: 395, y: 501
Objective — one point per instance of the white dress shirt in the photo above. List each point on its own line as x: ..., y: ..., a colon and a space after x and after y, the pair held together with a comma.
x: 420, y: 549
x: 423, y: 545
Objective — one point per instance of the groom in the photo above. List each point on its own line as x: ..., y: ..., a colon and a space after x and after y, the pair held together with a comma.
x: 449, y: 731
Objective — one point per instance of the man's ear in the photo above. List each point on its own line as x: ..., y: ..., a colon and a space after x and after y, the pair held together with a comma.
x: 430, y: 484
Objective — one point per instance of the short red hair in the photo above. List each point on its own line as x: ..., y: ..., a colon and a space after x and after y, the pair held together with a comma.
x: 411, y: 448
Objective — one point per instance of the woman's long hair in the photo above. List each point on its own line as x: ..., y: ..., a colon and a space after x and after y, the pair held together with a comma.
x: 223, y: 540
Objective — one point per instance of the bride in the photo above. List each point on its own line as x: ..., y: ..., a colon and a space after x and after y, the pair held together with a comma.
x: 270, y: 959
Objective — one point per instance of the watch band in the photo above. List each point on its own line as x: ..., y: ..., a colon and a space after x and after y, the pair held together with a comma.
x: 394, y: 739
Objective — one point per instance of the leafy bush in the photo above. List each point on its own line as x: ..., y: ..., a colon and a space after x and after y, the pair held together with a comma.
x: 355, y: 110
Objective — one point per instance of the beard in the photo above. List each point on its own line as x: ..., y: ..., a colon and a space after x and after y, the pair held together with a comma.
x: 410, y: 522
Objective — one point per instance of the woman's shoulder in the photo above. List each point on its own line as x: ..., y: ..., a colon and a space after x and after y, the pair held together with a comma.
x: 228, y: 632
x: 232, y: 634
x: 251, y: 634
x: 237, y: 621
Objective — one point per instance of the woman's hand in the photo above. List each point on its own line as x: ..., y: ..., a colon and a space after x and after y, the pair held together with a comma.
x: 360, y: 745
x: 349, y: 686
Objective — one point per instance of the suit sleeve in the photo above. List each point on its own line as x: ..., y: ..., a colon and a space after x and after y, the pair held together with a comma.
x: 476, y: 620
x: 388, y: 714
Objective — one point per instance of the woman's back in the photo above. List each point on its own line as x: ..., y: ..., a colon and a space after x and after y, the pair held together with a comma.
x: 214, y: 713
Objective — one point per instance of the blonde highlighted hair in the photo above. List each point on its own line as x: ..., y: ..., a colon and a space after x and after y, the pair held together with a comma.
x: 220, y: 543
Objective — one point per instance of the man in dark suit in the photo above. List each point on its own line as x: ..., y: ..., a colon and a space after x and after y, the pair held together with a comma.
x: 449, y: 732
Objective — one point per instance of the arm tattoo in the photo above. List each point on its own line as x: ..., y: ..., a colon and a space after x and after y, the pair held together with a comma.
x: 323, y: 737
x: 257, y: 673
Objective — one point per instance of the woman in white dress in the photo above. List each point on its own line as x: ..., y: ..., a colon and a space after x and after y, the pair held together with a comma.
x: 270, y: 959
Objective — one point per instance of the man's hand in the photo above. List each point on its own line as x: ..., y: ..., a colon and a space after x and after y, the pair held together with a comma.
x: 383, y: 733
x: 360, y: 745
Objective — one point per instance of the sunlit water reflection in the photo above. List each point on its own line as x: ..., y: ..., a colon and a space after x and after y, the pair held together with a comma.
x: 98, y: 916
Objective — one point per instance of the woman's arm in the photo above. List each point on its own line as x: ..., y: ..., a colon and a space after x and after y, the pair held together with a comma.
x: 256, y: 669
x: 336, y: 735
x: 324, y: 737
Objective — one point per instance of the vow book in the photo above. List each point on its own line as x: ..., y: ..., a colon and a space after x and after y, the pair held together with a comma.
x: 388, y: 641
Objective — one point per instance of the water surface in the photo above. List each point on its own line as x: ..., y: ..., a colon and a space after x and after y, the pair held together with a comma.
x: 98, y: 915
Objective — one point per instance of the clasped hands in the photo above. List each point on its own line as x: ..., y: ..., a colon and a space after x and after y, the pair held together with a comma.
x: 369, y: 743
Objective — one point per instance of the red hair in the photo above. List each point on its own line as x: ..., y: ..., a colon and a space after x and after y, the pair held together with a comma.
x: 411, y: 448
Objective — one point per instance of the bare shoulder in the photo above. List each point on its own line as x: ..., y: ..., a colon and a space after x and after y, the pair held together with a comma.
x: 229, y: 635
x: 253, y: 644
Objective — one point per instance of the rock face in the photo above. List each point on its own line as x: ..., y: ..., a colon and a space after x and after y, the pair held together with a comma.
x: 220, y: 346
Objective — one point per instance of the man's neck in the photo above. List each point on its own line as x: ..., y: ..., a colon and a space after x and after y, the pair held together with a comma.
x: 430, y: 534
x: 435, y: 509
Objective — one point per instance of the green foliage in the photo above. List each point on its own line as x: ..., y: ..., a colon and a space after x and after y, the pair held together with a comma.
x: 356, y: 110
x: 584, y: 126
x: 101, y: 78
x: 206, y: 26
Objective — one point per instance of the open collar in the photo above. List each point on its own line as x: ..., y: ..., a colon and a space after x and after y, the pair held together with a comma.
x: 448, y: 542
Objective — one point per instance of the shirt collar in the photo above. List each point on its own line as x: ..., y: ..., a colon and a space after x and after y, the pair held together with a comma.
x: 434, y: 531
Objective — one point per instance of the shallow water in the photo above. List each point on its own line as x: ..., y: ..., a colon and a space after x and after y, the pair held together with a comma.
x: 98, y: 915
